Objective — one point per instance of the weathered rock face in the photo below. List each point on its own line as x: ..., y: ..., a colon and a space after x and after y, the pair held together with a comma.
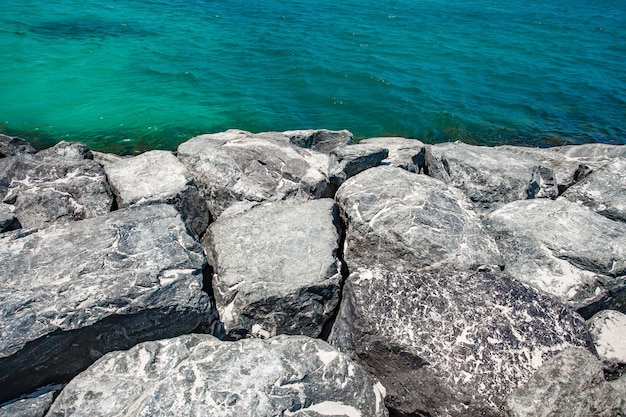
x: 277, y: 269
x: 197, y: 375
x: 404, y: 220
x: 608, y: 331
x: 565, y: 250
x: 73, y: 151
x: 238, y: 166
x: 494, y: 176
x: 7, y: 218
x: 450, y: 344
x: 404, y: 153
x: 158, y: 177
x: 10, y: 146
x: 570, y: 384
x: 35, y: 405
x: 70, y: 293
x: 321, y: 140
x: 348, y: 161
x: 50, y: 187
x: 604, y: 190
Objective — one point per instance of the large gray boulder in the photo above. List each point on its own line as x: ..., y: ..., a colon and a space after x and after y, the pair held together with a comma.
x: 276, y: 268
x: 404, y: 153
x: 570, y: 384
x: 348, y: 161
x: 32, y: 405
x: 54, y: 187
x: 158, y: 177
x: 564, y: 249
x: 7, y: 218
x: 10, y: 146
x: 404, y: 220
x: 494, y: 176
x: 198, y: 375
x: 71, y: 293
x: 236, y: 166
x: 608, y: 331
x: 320, y: 140
x: 604, y: 190
x: 450, y: 344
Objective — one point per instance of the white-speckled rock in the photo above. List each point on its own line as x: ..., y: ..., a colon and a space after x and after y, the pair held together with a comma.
x: 406, y: 220
x: 608, y: 330
x: 404, y: 153
x: 276, y: 268
x: 158, y: 177
x: 564, y: 249
x: 197, y: 375
x: 235, y: 166
x: 320, y: 140
x: 7, y: 218
x: 570, y: 384
x: 454, y: 343
x: 35, y: 404
x: 70, y: 293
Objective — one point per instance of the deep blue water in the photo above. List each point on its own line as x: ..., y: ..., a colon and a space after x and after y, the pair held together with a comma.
x: 131, y: 75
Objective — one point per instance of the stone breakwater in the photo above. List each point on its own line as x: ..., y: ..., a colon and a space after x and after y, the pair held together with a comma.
x: 299, y: 274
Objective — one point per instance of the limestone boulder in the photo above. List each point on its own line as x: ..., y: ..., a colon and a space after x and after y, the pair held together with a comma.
x: 50, y: 187
x: 7, y: 218
x: 454, y: 343
x: 75, y: 151
x: 73, y: 292
x: 564, y: 249
x: 404, y: 220
x: 604, y: 190
x: 32, y: 405
x: 348, y: 161
x: 158, y: 177
x: 198, y: 375
x: 320, y: 140
x: 276, y: 268
x: 570, y: 384
x: 404, y: 153
x: 237, y: 166
x: 608, y: 331
x: 10, y: 146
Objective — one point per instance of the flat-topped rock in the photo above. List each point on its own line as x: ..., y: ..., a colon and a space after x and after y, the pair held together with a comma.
x: 33, y: 405
x: 404, y: 220
x: 277, y: 269
x: 71, y: 293
x: 320, y: 140
x: 570, y: 384
x: 404, y: 153
x: 158, y: 177
x: 608, y: 331
x: 198, y: 375
x: 236, y: 166
x: 348, y: 161
x: 454, y: 343
x: 564, y: 249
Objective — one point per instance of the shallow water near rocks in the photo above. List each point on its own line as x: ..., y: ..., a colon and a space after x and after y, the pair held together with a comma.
x: 130, y: 75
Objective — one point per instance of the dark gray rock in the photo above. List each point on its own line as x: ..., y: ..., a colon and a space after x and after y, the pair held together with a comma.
x: 570, y: 384
x: 404, y: 220
x: 564, y: 249
x: 321, y: 140
x: 348, y: 161
x: 68, y: 150
x: 7, y: 218
x: 276, y: 268
x: 494, y: 176
x: 608, y: 331
x: 404, y: 153
x: 236, y: 166
x: 32, y: 405
x: 10, y: 146
x: 450, y: 344
x: 70, y: 293
x: 46, y: 189
x: 158, y: 177
x: 198, y: 375
x: 604, y: 190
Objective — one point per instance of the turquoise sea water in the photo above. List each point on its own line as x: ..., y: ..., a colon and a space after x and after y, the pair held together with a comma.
x: 131, y: 75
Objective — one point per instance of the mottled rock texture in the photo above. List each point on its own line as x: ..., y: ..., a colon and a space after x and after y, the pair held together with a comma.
x: 7, y: 218
x: 34, y: 405
x: 55, y: 185
x: 570, y: 384
x: 564, y: 249
x: 348, y: 161
x: 450, y: 344
x: 320, y: 140
x: 404, y: 153
x: 158, y: 177
x: 197, y: 375
x: 604, y: 190
x: 70, y: 293
x: 608, y: 331
x: 277, y: 269
x: 404, y: 220
x: 10, y: 146
x: 238, y: 166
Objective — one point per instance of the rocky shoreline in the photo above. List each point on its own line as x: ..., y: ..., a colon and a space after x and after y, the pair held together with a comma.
x: 299, y: 274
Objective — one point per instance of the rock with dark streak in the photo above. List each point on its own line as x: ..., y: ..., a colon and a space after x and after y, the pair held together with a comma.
x: 321, y: 140
x: 10, y: 146
x: 198, y: 375
x: 454, y: 343
x: 404, y: 153
x: 348, y: 161
x: 32, y: 405
x: 73, y: 292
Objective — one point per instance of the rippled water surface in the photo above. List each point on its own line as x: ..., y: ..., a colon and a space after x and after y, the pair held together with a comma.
x: 131, y: 75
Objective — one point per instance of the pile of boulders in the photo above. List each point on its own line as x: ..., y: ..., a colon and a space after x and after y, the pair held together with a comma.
x: 299, y: 274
